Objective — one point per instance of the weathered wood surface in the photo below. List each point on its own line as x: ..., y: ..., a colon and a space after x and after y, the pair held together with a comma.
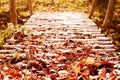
x: 61, y: 26
x: 49, y: 43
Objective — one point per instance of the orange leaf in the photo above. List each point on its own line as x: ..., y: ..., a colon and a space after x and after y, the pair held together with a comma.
x: 102, y: 72
x: 76, y: 31
x: 27, y: 42
x: 106, y: 63
x: 14, y: 73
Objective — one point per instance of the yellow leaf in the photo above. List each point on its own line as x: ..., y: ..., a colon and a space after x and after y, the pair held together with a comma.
x: 90, y: 60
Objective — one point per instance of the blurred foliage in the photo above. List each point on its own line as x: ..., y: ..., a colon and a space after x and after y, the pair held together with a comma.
x: 40, y: 5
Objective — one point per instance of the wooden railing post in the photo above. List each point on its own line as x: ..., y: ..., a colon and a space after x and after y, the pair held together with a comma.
x: 94, y: 2
x: 13, y: 13
x: 0, y: 4
x: 29, y: 3
x: 109, y: 14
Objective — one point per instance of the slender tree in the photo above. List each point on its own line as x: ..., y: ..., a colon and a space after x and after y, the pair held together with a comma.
x: 94, y: 2
x: 13, y: 13
x: 29, y: 3
x: 109, y: 14
x: 0, y: 4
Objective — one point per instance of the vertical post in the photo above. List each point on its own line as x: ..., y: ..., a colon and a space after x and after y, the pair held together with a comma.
x: 94, y: 2
x: 13, y: 13
x: 0, y: 4
x: 29, y: 3
x: 109, y: 14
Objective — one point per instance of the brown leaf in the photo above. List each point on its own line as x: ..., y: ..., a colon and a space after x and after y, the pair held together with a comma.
x: 19, y: 35
x: 79, y: 43
x: 76, y: 31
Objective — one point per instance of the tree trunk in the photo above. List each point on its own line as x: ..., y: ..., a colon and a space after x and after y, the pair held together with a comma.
x: 0, y: 5
x: 94, y: 2
x: 109, y: 14
x: 30, y: 6
x: 13, y: 13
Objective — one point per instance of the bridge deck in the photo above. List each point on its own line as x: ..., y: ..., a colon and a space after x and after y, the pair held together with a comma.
x: 60, y: 32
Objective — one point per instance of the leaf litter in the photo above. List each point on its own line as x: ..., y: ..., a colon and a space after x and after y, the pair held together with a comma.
x: 68, y: 59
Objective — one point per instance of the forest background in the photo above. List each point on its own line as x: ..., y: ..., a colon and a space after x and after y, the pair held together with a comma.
x: 22, y: 8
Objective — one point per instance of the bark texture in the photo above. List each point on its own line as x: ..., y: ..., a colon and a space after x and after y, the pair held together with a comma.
x: 109, y: 14
x: 13, y: 13
x: 94, y: 2
x: 30, y: 6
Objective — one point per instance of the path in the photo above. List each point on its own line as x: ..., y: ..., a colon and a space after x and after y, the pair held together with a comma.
x: 68, y: 26
x: 46, y: 34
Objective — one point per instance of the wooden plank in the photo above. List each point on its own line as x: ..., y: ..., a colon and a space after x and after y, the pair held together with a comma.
x: 50, y: 32
x: 104, y: 50
x: 7, y: 51
x: 55, y: 39
x: 103, y: 46
x: 101, y: 42
x: 13, y: 46
x: 103, y: 39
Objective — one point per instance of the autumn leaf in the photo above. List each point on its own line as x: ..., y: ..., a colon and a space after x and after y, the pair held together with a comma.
x: 27, y: 42
x: 39, y: 40
x: 102, y: 73
x: 112, y: 76
x: 63, y: 73
x: 32, y: 77
x: 106, y: 64
x: 19, y: 35
x: 86, y: 72
x: 14, y: 73
x: 76, y: 31
x: 90, y: 60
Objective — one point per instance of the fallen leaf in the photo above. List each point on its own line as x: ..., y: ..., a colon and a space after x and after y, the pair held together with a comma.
x: 90, y: 60
x: 14, y: 73
x: 102, y: 72
x: 106, y: 64
x: 76, y: 31
x: 63, y: 73
x: 27, y: 42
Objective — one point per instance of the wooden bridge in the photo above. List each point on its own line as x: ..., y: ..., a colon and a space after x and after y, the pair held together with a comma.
x: 59, y: 27
x: 59, y: 32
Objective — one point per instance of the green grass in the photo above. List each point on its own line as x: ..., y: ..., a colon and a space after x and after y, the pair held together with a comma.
x: 5, y: 34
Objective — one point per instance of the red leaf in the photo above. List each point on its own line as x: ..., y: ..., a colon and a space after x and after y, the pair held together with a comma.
x: 102, y: 72
x: 106, y: 63
x: 112, y: 76
x: 14, y: 73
